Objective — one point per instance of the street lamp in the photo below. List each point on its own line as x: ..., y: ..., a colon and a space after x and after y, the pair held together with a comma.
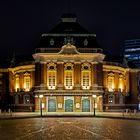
x: 94, y: 96
x: 41, y: 96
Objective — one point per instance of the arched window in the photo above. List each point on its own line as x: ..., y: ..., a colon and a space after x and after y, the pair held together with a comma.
x: 27, y: 81
x: 68, y: 77
x: 110, y: 82
x: 17, y: 87
x: 51, y: 73
x: 86, y: 76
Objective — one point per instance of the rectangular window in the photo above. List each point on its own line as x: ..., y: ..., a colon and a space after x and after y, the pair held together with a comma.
x: 120, y: 84
x: 85, y: 80
x: 51, y: 80
x: 68, y: 79
x: 17, y: 84
x: 111, y: 84
x: 27, y: 83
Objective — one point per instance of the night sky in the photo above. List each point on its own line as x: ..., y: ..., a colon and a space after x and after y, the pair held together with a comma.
x: 23, y: 21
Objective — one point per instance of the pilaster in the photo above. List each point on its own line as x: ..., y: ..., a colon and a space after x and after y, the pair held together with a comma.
x: 77, y: 75
x: 60, y: 75
x: 37, y: 74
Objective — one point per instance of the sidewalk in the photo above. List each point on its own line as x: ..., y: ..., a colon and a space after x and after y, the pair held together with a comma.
x: 115, y: 115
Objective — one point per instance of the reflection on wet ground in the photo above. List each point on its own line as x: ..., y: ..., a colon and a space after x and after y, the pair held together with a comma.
x: 69, y: 129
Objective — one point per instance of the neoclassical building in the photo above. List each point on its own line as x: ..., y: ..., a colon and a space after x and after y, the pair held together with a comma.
x: 70, y: 74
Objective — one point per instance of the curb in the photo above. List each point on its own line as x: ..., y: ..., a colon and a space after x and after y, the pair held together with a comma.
x: 67, y: 116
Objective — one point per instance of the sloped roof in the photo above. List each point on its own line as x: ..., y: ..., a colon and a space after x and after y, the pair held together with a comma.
x: 68, y: 31
x: 69, y: 25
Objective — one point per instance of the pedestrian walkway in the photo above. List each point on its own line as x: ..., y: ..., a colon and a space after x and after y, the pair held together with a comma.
x: 119, y: 115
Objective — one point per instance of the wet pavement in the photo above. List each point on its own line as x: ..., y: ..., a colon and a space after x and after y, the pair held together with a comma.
x: 66, y: 128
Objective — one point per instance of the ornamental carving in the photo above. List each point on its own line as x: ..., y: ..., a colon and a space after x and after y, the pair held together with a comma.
x: 68, y: 49
x: 26, y: 74
x: 51, y: 66
x: 111, y: 74
x: 86, y: 66
x: 68, y: 66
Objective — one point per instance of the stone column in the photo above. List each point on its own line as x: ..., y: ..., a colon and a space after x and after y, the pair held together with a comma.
x: 37, y: 74
x: 77, y: 75
x: 116, y: 86
x: 100, y: 74
x: 126, y: 84
x: 100, y: 103
x: 43, y: 73
x: 60, y: 75
x: 94, y: 77
x: 21, y: 81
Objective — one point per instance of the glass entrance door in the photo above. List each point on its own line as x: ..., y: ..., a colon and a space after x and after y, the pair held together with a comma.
x: 51, y: 105
x: 69, y: 105
x: 86, y: 105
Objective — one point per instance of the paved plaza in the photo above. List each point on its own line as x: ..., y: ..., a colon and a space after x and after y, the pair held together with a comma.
x: 69, y: 128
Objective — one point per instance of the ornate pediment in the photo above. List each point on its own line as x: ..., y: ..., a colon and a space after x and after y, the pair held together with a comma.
x: 68, y: 49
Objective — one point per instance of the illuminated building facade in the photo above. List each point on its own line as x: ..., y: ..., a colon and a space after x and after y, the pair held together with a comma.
x: 68, y: 70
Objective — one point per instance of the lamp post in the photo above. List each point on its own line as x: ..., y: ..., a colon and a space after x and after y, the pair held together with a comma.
x: 41, y: 96
x: 94, y: 96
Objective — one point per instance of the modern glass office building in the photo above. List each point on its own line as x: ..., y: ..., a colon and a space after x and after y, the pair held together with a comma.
x: 132, y: 51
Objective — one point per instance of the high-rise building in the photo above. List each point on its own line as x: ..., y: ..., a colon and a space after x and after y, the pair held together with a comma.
x: 132, y: 51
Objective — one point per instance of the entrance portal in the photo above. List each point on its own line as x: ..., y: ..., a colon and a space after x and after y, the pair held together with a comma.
x: 68, y: 105
x: 86, y: 105
x: 51, y: 105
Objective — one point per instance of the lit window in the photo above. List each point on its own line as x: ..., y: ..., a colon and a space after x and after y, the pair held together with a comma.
x: 85, y: 80
x: 121, y: 83
x: 51, y: 80
x: 68, y: 78
x: 86, y: 74
x: 17, y: 83
x: 27, y: 81
x: 111, y: 82
x: 51, y: 74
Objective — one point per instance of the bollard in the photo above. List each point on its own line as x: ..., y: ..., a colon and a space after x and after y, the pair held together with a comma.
x: 135, y: 111
x: 0, y: 111
x: 126, y: 111
x: 11, y: 113
x: 9, y: 110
